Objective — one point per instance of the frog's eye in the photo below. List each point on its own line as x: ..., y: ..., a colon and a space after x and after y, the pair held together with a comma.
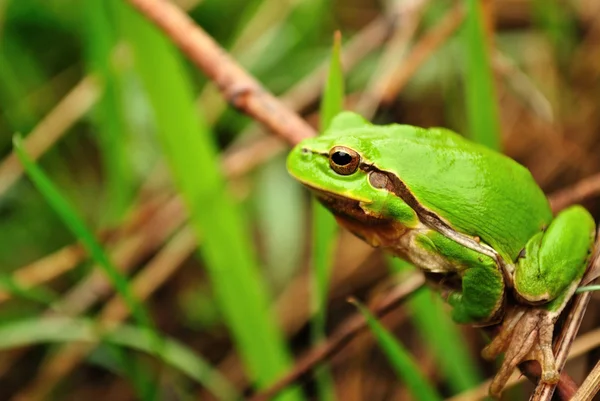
x: 343, y: 160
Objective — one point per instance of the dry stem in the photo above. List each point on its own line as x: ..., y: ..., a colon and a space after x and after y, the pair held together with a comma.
x: 342, y: 336
x: 237, y: 86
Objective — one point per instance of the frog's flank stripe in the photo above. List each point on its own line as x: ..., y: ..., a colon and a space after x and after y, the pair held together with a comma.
x: 431, y: 219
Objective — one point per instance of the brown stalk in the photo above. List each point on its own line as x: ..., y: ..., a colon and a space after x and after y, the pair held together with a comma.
x: 543, y: 392
x: 70, y: 109
x: 582, y: 190
x: 162, y: 266
x: 237, y: 86
x: 126, y: 254
x: 254, y: 152
x: 590, y: 387
x: 46, y: 268
x: 358, y: 47
x: 342, y: 337
x: 584, y: 344
x: 408, y: 18
x: 270, y: 15
x: 422, y: 50
x: 291, y: 316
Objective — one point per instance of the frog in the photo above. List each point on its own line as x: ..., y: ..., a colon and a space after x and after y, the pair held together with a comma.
x: 468, y: 215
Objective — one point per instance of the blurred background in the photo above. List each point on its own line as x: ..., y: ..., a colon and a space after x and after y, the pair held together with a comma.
x: 150, y: 194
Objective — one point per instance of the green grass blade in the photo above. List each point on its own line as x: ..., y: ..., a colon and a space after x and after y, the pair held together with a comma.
x: 38, y: 330
x: 482, y: 108
x: 19, y: 73
x: 110, y: 122
x: 36, y: 294
x: 227, y: 250
x: 556, y: 19
x: 441, y: 335
x: 325, y: 228
x: 71, y: 219
x: 587, y: 288
x: 400, y: 359
x: 333, y: 95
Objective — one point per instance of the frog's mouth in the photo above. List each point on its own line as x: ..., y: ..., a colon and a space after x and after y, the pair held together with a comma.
x: 376, y: 230
x: 344, y: 206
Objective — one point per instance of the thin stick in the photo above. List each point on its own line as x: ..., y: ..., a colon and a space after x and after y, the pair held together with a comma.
x: 543, y: 392
x: 422, y: 50
x: 590, y: 387
x: 394, y: 55
x: 582, y: 190
x: 342, y: 336
x: 584, y: 344
x: 237, y: 86
x: 51, y: 128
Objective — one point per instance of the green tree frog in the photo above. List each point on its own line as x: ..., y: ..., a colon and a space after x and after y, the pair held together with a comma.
x: 472, y: 218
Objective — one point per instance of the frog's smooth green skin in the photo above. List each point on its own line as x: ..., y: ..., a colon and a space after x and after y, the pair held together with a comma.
x: 461, y: 212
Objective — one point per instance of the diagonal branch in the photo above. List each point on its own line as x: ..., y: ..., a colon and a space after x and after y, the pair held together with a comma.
x: 342, y: 337
x: 238, y: 87
x: 543, y: 392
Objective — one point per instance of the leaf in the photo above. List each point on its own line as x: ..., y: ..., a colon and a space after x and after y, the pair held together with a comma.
x: 38, y: 330
x: 406, y: 369
x: 325, y: 228
x: 480, y: 96
x: 227, y: 250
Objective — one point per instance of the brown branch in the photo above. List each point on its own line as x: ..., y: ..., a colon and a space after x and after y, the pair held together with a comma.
x: 51, y: 128
x: 543, y: 392
x: 342, y: 337
x: 584, y: 344
x: 237, y: 86
x: 161, y: 267
x: 408, y: 19
x: 584, y: 189
x: 590, y: 387
x: 422, y: 50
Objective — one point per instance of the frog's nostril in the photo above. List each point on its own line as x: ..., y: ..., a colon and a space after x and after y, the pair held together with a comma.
x: 305, y: 151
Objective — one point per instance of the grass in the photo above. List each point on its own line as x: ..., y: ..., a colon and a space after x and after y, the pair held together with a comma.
x: 255, y: 296
x: 403, y: 364
x: 480, y: 95
x: 27, y: 332
x: 215, y: 216
x: 325, y: 229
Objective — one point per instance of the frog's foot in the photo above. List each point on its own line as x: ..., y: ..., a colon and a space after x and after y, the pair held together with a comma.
x: 526, y: 334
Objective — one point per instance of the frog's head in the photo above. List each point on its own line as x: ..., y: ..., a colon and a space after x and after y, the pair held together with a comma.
x: 340, y: 168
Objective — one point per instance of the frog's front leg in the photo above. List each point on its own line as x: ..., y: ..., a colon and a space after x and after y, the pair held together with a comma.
x: 547, y: 274
x: 480, y: 298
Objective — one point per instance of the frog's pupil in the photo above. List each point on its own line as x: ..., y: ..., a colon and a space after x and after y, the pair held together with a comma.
x: 341, y: 158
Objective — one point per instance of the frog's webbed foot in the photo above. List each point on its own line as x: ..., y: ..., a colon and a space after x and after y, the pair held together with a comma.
x: 526, y: 334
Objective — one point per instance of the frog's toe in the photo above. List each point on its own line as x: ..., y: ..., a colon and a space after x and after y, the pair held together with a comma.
x: 550, y: 377
x: 526, y: 335
x: 501, y: 342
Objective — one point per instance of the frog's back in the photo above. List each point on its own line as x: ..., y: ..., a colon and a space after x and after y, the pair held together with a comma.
x: 482, y: 192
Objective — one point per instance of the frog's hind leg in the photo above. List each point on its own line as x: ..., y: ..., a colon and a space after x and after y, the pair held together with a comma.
x: 555, y: 259
x: 547, y: 274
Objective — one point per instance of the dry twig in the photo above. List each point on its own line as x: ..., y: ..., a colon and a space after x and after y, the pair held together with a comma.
x: 342, y: 336
x: 237, y: 86
x: 422, y: 50
x: 590, y: 387
x: 70, y: 109
x: 582, y: 190
x: 543, y: 392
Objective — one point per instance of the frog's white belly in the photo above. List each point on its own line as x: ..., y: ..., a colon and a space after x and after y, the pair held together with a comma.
x: 402, y: 241
x: 408, y: 248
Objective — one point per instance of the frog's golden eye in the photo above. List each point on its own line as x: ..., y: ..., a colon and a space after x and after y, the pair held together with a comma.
x: 343, y: 160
